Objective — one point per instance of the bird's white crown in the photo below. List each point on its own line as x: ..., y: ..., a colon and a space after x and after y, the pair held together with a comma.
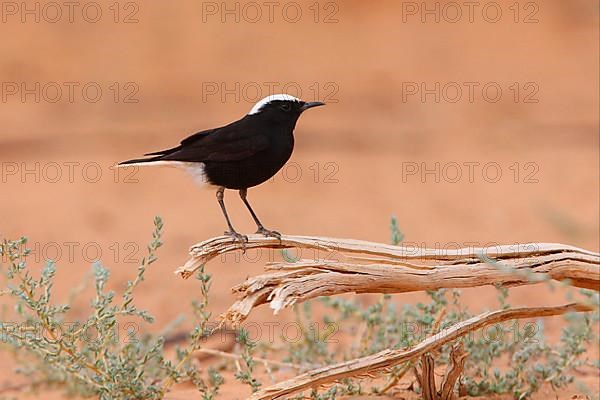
x: 274, y: 97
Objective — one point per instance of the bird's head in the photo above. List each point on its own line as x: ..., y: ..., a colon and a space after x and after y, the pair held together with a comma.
x: 282, y: 107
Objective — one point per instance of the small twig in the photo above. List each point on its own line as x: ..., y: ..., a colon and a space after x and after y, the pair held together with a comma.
x: 393, y: 381
x: 225, y: 354
x: 438, y: 320
x: 16, y: 387
x: 418, y: 376
x: 436, y: 325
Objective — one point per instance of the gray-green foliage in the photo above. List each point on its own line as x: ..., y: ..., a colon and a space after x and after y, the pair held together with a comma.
x: 89, y: 357
x: 245, y: 372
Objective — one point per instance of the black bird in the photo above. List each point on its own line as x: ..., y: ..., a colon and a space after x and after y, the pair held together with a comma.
x: 240, y: 155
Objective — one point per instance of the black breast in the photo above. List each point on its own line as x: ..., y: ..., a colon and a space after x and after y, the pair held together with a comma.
x: 255, y: 169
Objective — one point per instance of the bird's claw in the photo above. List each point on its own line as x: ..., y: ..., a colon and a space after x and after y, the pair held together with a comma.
x: 238, y: 237
x: 262, y: 231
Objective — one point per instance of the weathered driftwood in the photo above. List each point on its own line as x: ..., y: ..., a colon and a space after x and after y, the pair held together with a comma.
x: 343, y: 266
x: 328, y: 248
x: 384, y: 360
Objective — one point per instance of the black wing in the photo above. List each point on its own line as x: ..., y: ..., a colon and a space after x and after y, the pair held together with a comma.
x: 184, y: 142
x: 236, y: 141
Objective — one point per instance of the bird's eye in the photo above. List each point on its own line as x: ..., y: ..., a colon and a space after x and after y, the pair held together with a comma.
x: 286, y: 107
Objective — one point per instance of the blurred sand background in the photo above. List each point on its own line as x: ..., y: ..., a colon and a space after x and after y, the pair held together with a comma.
x: 362, y: 144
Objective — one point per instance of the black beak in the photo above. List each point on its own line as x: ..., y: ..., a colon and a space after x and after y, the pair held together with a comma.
x: 311, y: 104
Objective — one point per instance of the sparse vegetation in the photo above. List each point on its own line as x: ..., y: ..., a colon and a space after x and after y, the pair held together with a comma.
x: 88, y: 358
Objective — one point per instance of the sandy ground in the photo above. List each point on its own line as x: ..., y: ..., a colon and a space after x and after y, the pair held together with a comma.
x: 522, y: 166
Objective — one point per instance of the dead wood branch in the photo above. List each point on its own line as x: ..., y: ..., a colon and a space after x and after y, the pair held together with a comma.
x: 328, y: 248
x: 297, y: 282
x: 426, y: 377
x: 458, y: 356
x: 344, y: 265
x: 386, y: 359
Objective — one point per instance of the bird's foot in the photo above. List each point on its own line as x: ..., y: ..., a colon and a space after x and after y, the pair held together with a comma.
x: 262, y: 231
x: 238, y: 237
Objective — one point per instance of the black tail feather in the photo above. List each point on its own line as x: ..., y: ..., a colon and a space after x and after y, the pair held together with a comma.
x: 163, y: 152
x: 158, y: 156
x: 140, y: 160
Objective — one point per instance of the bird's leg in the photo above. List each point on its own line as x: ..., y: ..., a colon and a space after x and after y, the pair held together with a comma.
x: 236, y: 236
x: 261, y: 229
